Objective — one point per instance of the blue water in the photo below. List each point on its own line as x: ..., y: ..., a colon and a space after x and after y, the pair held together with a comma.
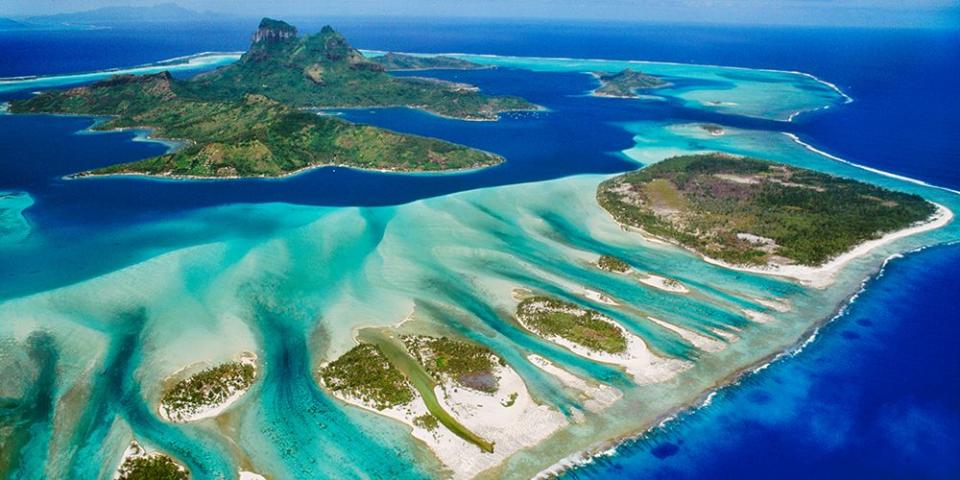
x: 875, y: 396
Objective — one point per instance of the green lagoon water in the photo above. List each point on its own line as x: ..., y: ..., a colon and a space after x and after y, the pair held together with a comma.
x: 300, y: 282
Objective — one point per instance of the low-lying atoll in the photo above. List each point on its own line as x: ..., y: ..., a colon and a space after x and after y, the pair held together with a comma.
x: 137, y: 464
x: 209, y: 392
x: 458, y: 397
x: 624, y: 84
x: 550, y: 317
x: 364, y: 375
x: 591, y: 334
x: 755, y: 213
x: 613, y: 264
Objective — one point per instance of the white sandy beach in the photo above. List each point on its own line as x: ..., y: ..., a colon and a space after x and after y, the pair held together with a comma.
x: 778, y: 304
x: 596, y: 396
x: 134, y: 451
x: 637, y: 360
x: 824, y: 275
x: 598, y: 297
x: 702, y: 342
x: 756, y: 316
x: 522, y: 424
x: 663, y: 283
x: 209, y: 411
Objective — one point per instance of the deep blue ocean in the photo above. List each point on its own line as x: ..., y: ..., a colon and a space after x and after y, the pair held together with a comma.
x: 877, y: 395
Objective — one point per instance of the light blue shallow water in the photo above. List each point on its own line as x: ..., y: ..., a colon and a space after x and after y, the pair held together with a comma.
x: 136, y: 291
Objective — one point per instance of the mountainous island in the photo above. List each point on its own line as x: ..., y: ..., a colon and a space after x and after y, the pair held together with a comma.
x: 624, y: 84
x: 753, y: 212
x: 124, y: 14
x: 250, y: 118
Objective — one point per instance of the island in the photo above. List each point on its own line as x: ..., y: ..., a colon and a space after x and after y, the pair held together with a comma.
x: 595, y: 336
x: 323, y: 70
x: 364, y: 375
x: 609, y: 263
x: 138, y: 464
x: 391, y: 61
x: 712, y: 129
x: 209, y: 392
x: 624, y: 84
x: 451, y: 361
x: 752, y: 212
x: 249, y: 119
x: 551, y: 317
x: 458, y: 397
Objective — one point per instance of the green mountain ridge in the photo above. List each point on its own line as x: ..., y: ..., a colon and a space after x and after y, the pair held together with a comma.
x: 248, y: 119
x: 325, y: 71
x: 163, y: 12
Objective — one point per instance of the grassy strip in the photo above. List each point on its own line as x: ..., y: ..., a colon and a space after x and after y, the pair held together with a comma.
x: 398, y: 356
x: 466, y: 363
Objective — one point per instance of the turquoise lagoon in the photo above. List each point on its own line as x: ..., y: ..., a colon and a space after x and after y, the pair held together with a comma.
x: 294, y: 283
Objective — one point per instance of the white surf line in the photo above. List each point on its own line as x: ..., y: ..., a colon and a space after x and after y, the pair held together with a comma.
x: 168, y: 62
x: 816, y: 150
x: 193, y: 56
x: 833, y: 86
x: 188, y: 62
x: 588, y: 456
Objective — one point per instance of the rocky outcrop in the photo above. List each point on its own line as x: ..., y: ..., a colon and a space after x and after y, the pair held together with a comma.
x: 273, y: 31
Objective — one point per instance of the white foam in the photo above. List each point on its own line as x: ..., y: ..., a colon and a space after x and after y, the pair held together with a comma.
x: 816, y: 150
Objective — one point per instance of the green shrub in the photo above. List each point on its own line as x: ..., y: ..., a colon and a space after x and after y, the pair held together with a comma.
x: 552, y: 317
x: 366, y: 373
x: 808, y: 217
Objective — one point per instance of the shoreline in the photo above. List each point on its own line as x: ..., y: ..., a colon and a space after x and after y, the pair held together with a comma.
x: 637, y: 360
x: 832, y: 86
x: 136, y: 451
x: 509, y: 417
x: 884, y: 173
x: 632, y: 96
x: 824, y: 275
x: 176, y: 64
x: 284, y: 176
x: 419, y: 108
x: 820, y: 276
x: 208, y: 411
x: 611, y: 447
x: 144, y: 134
x: 847, y: 99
